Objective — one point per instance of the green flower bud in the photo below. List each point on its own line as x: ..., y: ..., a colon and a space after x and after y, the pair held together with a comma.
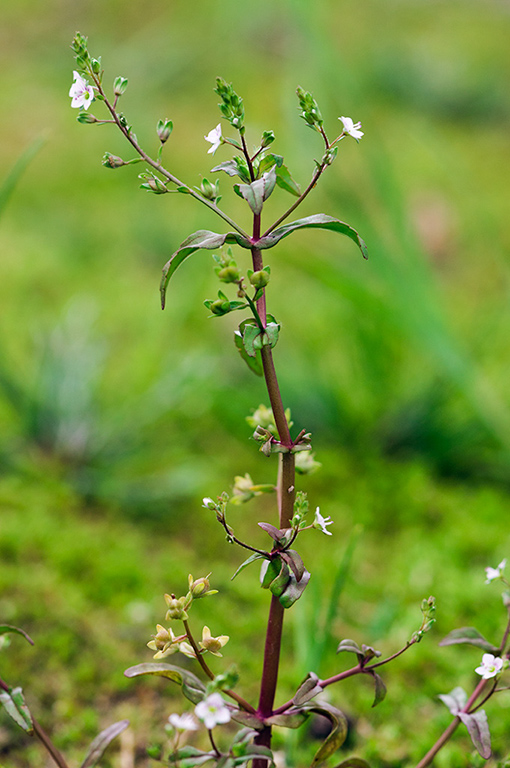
x: 207, y: 189
x: 119, y: 86
x: 200, y: 587
x: 176, y: 608
x: 96, y: 65
x: 220, y: 307
x: 267, y: 139
x: 259, y: 279
x: 152, y: 184
x: 164, y: 129
x: 84, y: 117
x: 229, y: 274
x: 112, y: 161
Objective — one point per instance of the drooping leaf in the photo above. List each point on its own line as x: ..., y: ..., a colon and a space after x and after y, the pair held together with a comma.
x: 478, y: 728
x: 380, y: 688
x: 295, y: 563
x: 100, y: 743
x: 15, y: 706
x: 203, y: 238
x: 273, y: 531
x: 293, y: 718
x: 317, y: 221
x: 254, y: 362
x: 338, y: 733
x: 247, y: 719
x: 247, y: 562
x: 5, y: 628
x: 308, y: 689
x: 269, y: 572
x: 192, y: 688
x: 455, y: 700
x: 351, y: 646
x: 470, y: 636
x: 285, y: 181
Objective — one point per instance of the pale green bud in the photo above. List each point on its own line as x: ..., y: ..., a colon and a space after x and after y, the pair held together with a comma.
x: 164, y: 129
x: 259, y: 279
x: 112, y: 161
x: 119, y: 86
x: 176, y: 608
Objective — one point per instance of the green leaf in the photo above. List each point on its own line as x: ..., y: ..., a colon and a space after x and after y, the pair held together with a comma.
x: 295, y: 563
x: 380, y: 688
x: 285, y: 181
x: 317, y: 221
x: 188, y: 757
x: 293, y: 718
x: 258, y: 191
x: 269, y: 161
x: 470, y: 636
x: 478, y: 728
x: 282, y: 580
x: 272, y: 569
x: 338, y: 734
x: 100, y: 743
x: 250, y: 332
x: 203, y: 238
x: 254, y: 363
x: 351, y: 646
x: 5, y: 628
x: 192, y: 688
x: 294, y: 589
x: 15, y: 706
x: 247, y: 562
x: 247, y: 719
x: 308, y: 689
x: 235, y: 167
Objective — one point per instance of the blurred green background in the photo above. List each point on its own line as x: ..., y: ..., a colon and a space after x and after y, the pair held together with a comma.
x: 116, y: 419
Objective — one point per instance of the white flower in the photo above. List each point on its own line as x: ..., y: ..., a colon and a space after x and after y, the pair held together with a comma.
x: 353, y: 129
x: 495, y: 573
x: 215, y: 138
x: 490, y: 666
x: 321, y: 522
x: 183, y: 723
x: 81, y: 93
x: 212, y: 711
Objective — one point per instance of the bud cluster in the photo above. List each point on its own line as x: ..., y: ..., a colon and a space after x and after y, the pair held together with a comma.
x: 428, y: 609
x: 231, y: 106
x: 227, y: 269
x: 310, y: 111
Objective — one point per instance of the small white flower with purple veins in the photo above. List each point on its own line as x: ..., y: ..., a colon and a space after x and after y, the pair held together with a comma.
x: 183, y: 723
x: 490, y: 666
x: 321, y: 522
x: 215, y: 138
x: 81, y: 93
x: 495, y: 573
x: 351, y: 128
x: 212, y: 711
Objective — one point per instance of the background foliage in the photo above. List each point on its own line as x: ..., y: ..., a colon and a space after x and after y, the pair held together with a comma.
x: 115, y: 419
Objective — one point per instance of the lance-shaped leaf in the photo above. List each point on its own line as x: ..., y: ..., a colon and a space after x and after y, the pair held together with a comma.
x: 285, y: 181
x: 294, y: 589
x: 478, y: 728
x: 258, y: 191
x: 352, y: 647
x: 455, y: 700
x: 192, y: 688
x: 380, y: 688
x: 247, y: 719
x: 15, y: 706
x: 248, y: 562
x: 6, y: 628
x: 203, y: 238
x: 338, y: 733
x: 470, y: 636
x: 188, y: 757
x: 100, y: 743
x: 235, y: 167
x: 317, y: 221
x: 276, y: 533
x: 293, y: 718
x: 308, y: 689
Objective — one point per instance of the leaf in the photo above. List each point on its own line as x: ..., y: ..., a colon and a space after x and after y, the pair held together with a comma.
x: 247, y: 562
x: 294, y: 561
x: 293, y: 718
x: 101, y: 742
x: 188, y: 757
x: 14, y: 704
x: 294, y: 589
x: 471, y: 636
x: 234, y: 168
x: 269, y: 161
x: 317, y: 221
x: 353, y: 762
x: 285, y: 181
x: 192, y: 688
x: 254, y: 363
x: 455, y: 700
x: 4, y: 628
x: 478, y: 728
x: 338, y: 734
x: 280, y: 582
x: 308, y: 689
x: 380, y: 688
x: 247, y: 719
x: 351, y: 646
x: 258, y: 191
x: 250, y: 332
x: 203, y: 238
x: 273, y: 531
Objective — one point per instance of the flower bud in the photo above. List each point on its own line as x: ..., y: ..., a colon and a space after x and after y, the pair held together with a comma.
x: 259, y: 279
x: 152, y: 184
x: 96, y: 65
x: 112, y: 161
x: 267, y: 139
x: 84, y: 117
x: 207, y: 189
x: 200, y: 587
x: 164, y: 129
x: 208, y: 503
x: 229, y: 274
x: 119, y: 86
x: 220, y: 307
x: 176, y: 608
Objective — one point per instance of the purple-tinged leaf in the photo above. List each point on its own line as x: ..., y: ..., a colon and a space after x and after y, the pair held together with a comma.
x: 478, y: 728
x: 351, y: 646
x: 369, y: 653
x: 189, y: 757
x: 294, y: 589
x: 100, y: 743
x: 380, y: 688
x: 308, y: 689
x: 455, y: 700
x: 293, y: 718
x: 192, y: 688
x: 317, y: 221
x: 247, y: 719
x: 203, y: 238
x: 273, y: 531
x: 293, y: 560
x: 5, y: 628
x: 470, y: 636
x: 14, y: 704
